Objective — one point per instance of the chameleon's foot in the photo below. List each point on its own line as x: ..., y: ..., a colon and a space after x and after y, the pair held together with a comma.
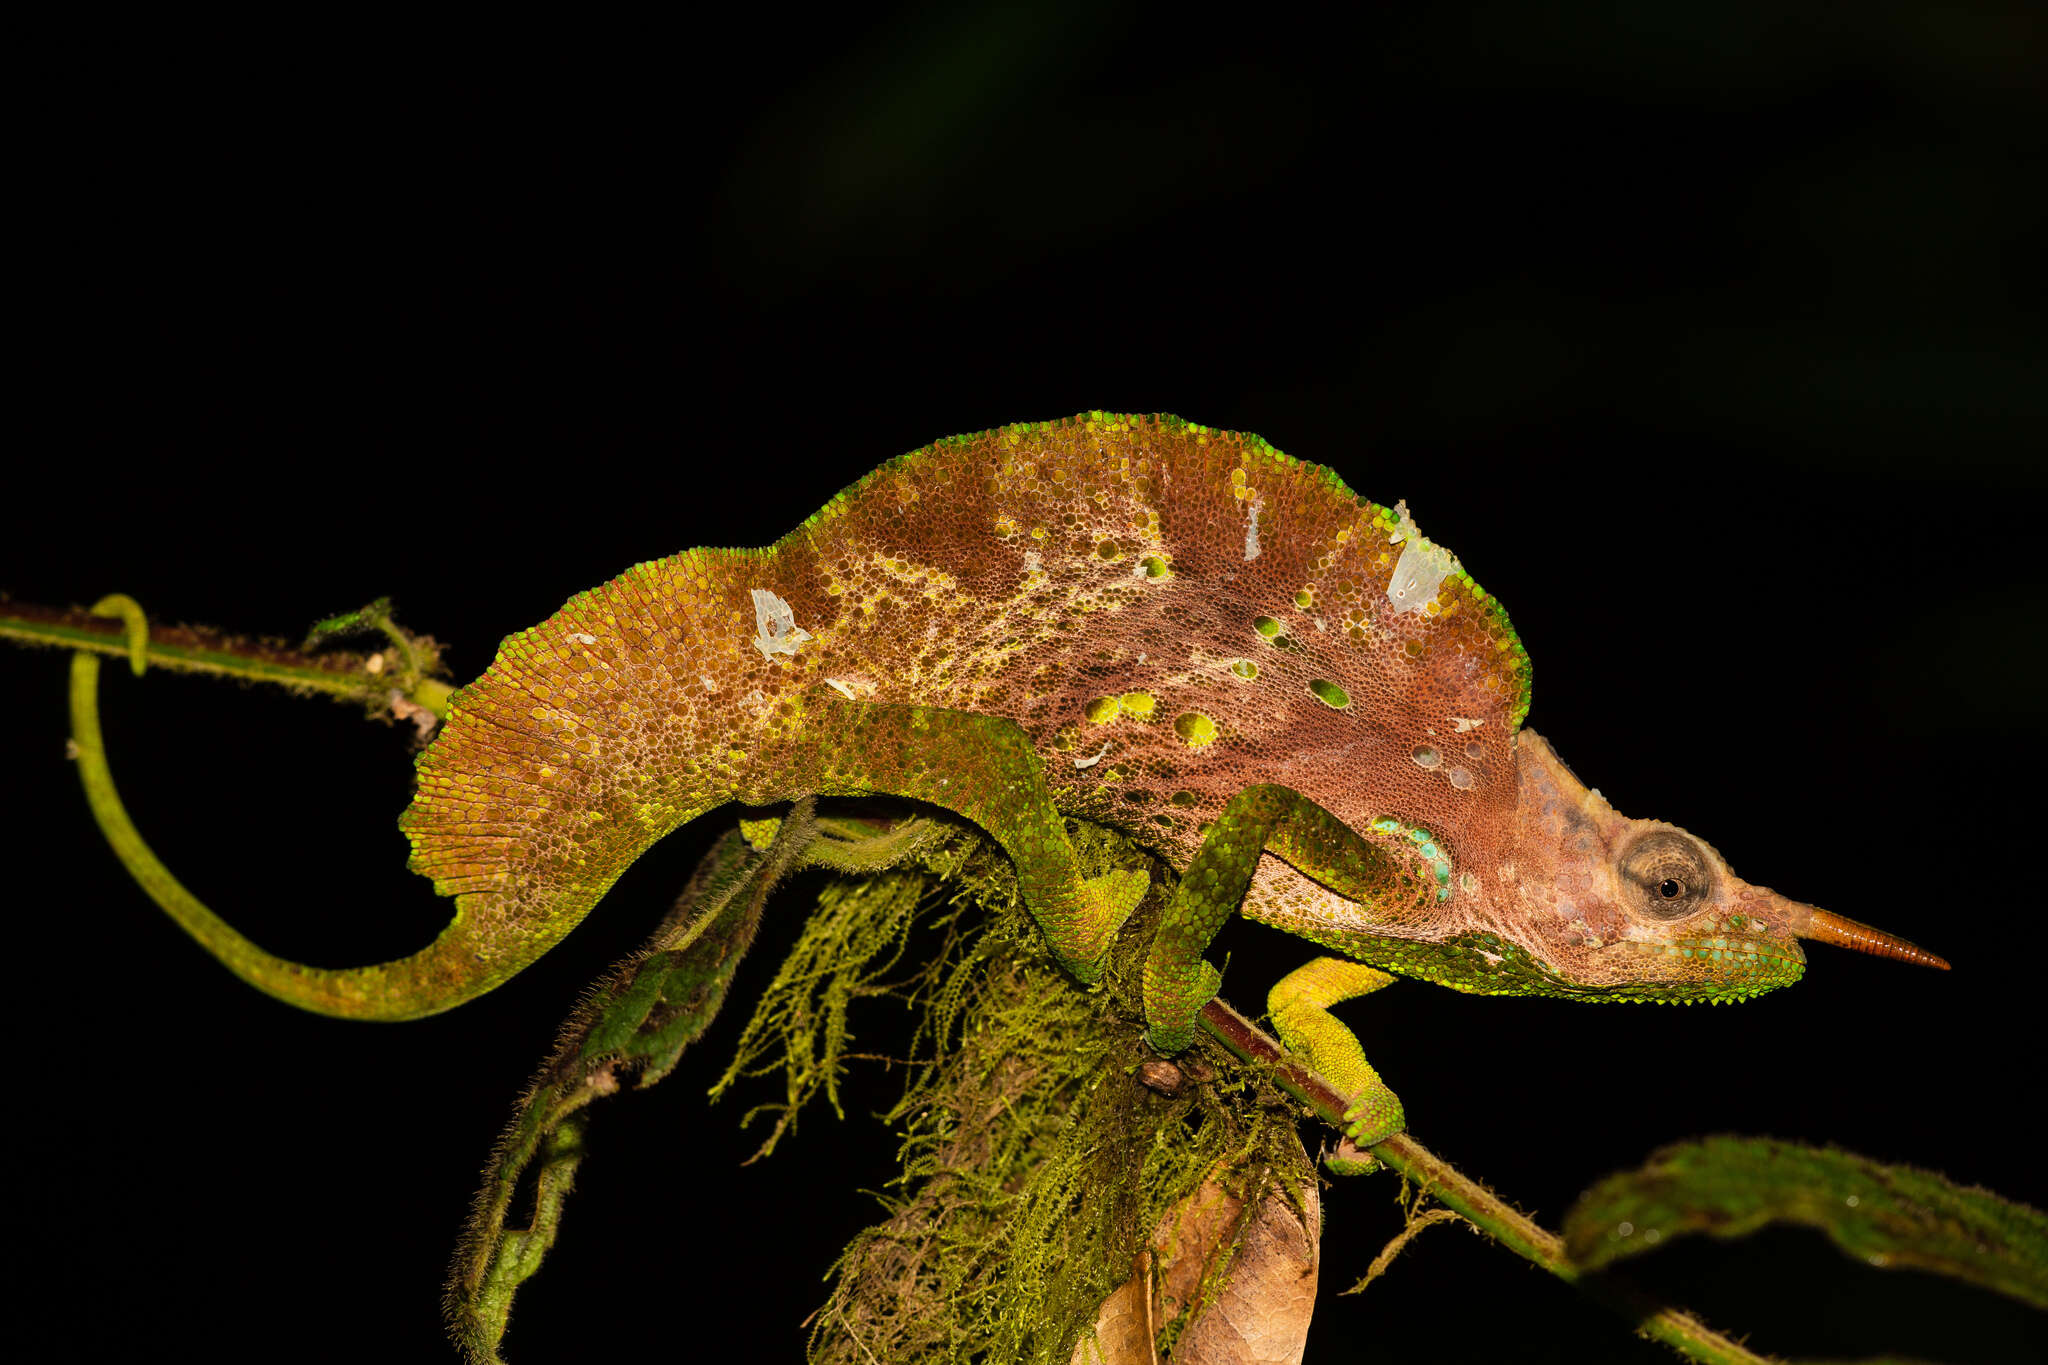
x: 1374, y: 1115
x: 1107, y: 902
x: 1301, y: 1016
x: 1170, y: 1014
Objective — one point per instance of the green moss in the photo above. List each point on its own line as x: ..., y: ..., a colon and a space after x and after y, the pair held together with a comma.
x: 1034, y: 1163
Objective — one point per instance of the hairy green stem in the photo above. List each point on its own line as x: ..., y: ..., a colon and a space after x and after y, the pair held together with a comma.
x: 341, y: 674
x: 1475, y: 1203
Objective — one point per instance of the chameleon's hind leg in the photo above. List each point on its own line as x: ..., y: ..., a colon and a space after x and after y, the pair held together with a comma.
x: 983, y: 768
x: 1300, y: 1008
x: 1378, y: 874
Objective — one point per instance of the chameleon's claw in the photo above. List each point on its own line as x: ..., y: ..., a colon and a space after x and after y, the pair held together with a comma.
x: 1347, y: 1158
x: 1373, y: 1118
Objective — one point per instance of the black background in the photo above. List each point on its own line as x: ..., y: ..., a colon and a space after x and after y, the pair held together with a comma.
x: 1713, y: 342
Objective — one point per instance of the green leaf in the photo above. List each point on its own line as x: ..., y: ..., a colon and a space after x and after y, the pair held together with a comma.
x: 1884, y: 1215
x: 371, y: 617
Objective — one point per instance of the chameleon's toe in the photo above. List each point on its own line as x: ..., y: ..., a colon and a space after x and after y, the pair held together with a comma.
x: 1171, y: 1015
x: 1374, y: 1116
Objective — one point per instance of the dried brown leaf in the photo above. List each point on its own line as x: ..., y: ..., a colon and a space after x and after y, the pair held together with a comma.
x: 1260, y: 1301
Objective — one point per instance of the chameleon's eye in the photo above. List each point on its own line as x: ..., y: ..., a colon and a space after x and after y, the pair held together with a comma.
x: 1666, y: 875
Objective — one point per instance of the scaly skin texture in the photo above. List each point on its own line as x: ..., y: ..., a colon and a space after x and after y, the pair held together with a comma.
x: 1287, y: 692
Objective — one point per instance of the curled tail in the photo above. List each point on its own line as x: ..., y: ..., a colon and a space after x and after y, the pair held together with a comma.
x: 591, y: 736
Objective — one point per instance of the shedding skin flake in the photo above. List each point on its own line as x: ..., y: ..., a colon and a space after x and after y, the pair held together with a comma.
x: 775, y: 628
x: 1422, y: 568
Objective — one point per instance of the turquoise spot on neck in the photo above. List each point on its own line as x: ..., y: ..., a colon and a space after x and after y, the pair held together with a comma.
x: 1425, y: 844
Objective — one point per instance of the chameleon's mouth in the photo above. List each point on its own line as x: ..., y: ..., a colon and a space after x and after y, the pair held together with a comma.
x: 1742, y: 956
x: 1725, y: 958
x: 1723, y: 962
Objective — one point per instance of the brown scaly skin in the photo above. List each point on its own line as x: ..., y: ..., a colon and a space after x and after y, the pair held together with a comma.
x: 1288, y: 693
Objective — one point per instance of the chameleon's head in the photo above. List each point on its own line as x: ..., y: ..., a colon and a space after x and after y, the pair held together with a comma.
x: 1638, y: 909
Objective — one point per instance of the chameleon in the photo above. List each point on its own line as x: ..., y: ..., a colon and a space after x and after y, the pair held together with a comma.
x: 1287, y: 693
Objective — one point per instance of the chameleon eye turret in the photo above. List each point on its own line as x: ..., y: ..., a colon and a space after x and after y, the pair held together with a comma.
x: 1666, y: 875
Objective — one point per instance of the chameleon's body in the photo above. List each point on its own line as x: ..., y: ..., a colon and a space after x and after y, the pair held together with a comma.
x: 1178, y: 632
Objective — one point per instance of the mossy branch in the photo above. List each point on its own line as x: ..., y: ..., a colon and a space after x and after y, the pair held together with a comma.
x: 369, y: 678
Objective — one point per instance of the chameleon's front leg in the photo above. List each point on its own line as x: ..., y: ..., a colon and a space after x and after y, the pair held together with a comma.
x: 1300, y: 1009
x: 1178, y: 982
x: 981, y: 767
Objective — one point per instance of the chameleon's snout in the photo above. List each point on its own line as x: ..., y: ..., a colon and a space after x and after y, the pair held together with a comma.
x: 1827, y: 927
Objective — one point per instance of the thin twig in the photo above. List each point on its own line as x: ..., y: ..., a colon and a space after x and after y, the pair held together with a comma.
x: 1416, y: 1223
